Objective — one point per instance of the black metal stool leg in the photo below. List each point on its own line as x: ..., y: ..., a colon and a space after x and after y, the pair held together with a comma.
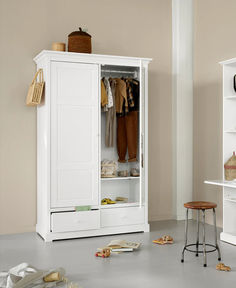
x: 197, y: 244
x: 217, y: 247
x: 204, y: 239
x: 186, y: 235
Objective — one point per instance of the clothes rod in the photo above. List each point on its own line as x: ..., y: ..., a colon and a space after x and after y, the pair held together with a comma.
x: 116, y: 71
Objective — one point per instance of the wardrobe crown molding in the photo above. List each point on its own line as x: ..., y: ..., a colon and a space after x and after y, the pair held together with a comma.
x: 91, y: 58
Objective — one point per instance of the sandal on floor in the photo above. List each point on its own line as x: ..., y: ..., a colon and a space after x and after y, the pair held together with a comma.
x: 222, y: 267
x: 164, y: 240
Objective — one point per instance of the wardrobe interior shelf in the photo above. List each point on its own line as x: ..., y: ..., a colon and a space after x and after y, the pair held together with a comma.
x: 230, y: 98
x: 120, y: 205
x: 119, y: 178
x: 223, y: 183
x: 230, y: 131
x: 230, y: 199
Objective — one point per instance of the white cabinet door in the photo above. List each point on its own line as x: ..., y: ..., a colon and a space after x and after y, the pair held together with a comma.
x: 74, y: 134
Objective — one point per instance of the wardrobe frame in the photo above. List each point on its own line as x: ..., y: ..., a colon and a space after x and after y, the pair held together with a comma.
x: 44, y: 61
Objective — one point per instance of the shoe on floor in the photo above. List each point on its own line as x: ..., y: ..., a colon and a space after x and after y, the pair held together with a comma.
x: 164, y: 240
x: 222, y: 267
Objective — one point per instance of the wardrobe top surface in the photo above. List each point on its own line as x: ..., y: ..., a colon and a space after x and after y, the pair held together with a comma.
x: 90, y: 58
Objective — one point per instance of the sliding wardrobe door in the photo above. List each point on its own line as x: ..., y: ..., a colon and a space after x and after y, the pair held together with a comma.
x: 74, y: 134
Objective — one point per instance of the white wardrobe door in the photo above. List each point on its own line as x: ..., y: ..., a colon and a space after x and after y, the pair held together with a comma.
x: 74, y: 130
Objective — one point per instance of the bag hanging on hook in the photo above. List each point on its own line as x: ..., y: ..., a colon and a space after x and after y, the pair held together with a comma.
x: 35, y: 91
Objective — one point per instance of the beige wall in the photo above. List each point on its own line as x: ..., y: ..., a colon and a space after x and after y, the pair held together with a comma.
x: 214, y: 41
x: 124, y: 27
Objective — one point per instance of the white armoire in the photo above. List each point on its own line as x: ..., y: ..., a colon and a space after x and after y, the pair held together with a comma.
x: 71, y: 146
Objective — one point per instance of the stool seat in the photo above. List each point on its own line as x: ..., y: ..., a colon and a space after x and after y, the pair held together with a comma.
x: 200, y: 205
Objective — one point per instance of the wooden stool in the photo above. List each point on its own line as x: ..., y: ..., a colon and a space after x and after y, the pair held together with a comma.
x: 200, y: 206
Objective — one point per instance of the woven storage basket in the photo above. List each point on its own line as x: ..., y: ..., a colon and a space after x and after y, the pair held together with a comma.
x: 79, y: 41
x: 230, y: 168
x: 35, y: 91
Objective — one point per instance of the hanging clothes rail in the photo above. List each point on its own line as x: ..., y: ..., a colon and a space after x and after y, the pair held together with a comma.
x: 134, y: 74
x: 118, y: 71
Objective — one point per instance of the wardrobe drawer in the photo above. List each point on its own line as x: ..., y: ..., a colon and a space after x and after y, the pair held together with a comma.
x: 75, y: 221
x: 122, y: 216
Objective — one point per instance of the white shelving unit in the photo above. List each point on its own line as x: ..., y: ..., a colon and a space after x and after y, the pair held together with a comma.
x: 229, y: 145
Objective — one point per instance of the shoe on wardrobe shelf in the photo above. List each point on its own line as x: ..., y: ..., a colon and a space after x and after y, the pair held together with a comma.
x: 123, y: 173
x: 106, y: 201
x: 134, y: 172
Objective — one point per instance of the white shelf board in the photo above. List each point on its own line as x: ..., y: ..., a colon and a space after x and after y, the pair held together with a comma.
x: 230, y: 131
x: 119, y: 205
x: 227, y: 237
x: 223, y: 183
x: 119, y: 178
x: 230, y: 199
x: 230, y: 97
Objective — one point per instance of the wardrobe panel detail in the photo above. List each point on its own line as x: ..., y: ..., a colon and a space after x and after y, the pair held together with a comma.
x: 74, y: 142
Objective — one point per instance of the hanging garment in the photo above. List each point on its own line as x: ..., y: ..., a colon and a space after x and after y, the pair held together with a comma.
x: 130, y: 97
x: 104, y: 97
x: 110, y: 133
x: 127, y: 136
x: 133, y: 94
x: 109, y: 94
x: 121, y: 97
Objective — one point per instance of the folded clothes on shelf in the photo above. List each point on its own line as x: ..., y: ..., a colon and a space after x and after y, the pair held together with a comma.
x: 108, y: 168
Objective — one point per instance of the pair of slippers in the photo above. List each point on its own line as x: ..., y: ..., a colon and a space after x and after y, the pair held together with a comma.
x: 106, y: 201
x: 166, y: 239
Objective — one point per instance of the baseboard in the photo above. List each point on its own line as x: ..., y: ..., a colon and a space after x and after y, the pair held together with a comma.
x: 49, y: 237
x: 180, y: 217
x: 161, y: 217
x: 18, y: 230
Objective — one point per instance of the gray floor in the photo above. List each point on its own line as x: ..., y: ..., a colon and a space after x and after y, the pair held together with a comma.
x: 151, y: 266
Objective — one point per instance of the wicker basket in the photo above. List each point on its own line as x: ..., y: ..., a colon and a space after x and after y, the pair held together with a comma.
x: 35, y: 91
x: 230, y: 168
x: 58, y: 46
x: 79, y: 41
